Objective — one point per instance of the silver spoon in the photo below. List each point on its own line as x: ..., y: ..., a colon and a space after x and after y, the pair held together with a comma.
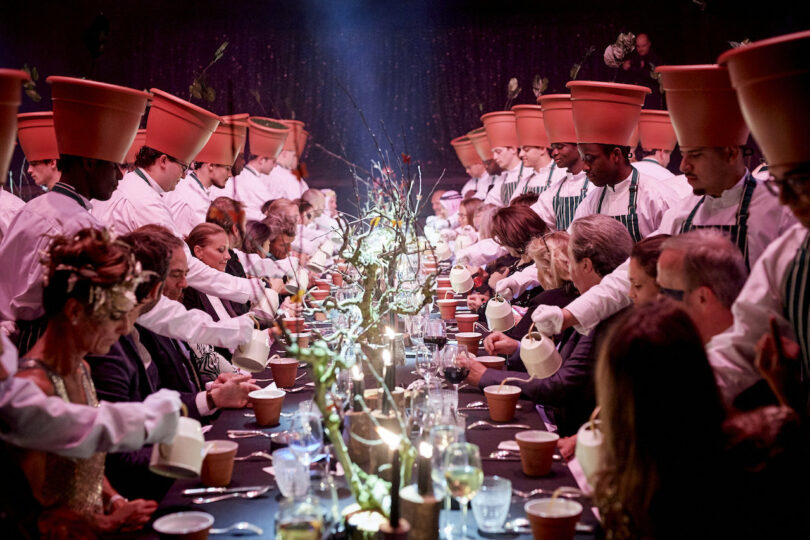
x: 245, y: 433
x: 566, y: 492
x: 514, y: 454
x: 260, y: 454
x: 485, y: 424
x: 242, y: 527
x: 236, y: 495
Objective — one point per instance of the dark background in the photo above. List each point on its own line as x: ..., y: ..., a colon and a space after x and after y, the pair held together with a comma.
x: 420, y: 72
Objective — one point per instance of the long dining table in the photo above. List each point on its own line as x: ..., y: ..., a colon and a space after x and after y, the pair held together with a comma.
x: 261, y: 511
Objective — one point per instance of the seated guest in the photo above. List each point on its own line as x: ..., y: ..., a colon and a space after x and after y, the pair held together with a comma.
x: 88, y: 296
x: 550, y: 254
x: 525, y: 199
x: 480, y: 295
x: 305, y: 211
x: 649, y: 470
x: 257, y: 238
x: 302, y: 247
x: 598, y: 244
x: 642, y: 270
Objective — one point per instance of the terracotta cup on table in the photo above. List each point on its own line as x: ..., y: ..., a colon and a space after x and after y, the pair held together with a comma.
x: 324, y: 284
x: 445, y: 293
x: 284, y: 371
x: 492, y: 362
x: 295, y: 325
x: 502, y: 401
x: 466, y: 321
x: 536, y: 451
x: 470, y: 340
x: 267, y: 405
x: 217, y: 467
x: 443, y: 282
x: 319, y: 294
x: 447, y: 309
x: 555, y: 520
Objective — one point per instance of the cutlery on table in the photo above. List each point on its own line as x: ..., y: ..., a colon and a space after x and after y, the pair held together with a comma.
x: 271, y: 380
x: 235, y: 495
x: 245, y: 433
x: 240, y: 528
x: 260, y: 454
x: 515, y: 454
x: 481, y: 406
x: 217, y: 490
x: 570, y: 492
x: 485, y: 424
x: 299, y: 389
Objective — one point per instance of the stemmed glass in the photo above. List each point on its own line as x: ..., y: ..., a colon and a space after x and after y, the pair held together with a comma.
x: 306, y: 436
x: 441, y: 437
x: 435, y: 332
x: 450, y: 360
x: 464, y: 475
x: 427, y: 364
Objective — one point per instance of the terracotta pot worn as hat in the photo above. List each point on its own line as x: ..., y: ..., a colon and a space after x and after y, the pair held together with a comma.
x: 178, y: 128
x: 655, y: 130
x: 93, y: 119
x: 225, y: 143
x: 558, y: 118
x: 606, y: 113
x: 465, y: 151
x: 137, y: 144
x: 10, y: 96
x: 478, y: 137
x: 37, y: 136
x: 267, y: 136
x: 531, y: 130
x: 500, y: 128
x: 772, y: 82
x: 295, y: 140
x: 702, y: 106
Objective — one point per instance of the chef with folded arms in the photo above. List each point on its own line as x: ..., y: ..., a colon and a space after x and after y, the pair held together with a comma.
x: 534, y: 144
x: 503, y: 139
x: 711, y: 132
x: 284, y: 178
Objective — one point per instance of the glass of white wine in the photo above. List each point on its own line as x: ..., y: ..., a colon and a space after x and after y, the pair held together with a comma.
x: 464, y: 475
x: 442, y: 436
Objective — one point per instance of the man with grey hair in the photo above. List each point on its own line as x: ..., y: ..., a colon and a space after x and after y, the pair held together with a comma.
x: 705, y: 271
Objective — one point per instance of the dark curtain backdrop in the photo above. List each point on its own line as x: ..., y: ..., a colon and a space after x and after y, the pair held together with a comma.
x: 421, y: 73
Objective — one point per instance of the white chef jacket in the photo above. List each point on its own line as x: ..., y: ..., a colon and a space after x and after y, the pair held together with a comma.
x: 677, y: 184
x: 518, y: 282
x: 651, y: 202
x: 9, y: 205
x: 482, y: 252
x: 479, y: 186
x: 571, y: 187
x: 30, y: 419
x: 188, y: 203
x: 543, y: 179
x: 285, y: 184
x: 767, y: 220
x: 251, y: 189
x: 506, y: 177
x: 732, y: 353
x: 256, y: 265
x: 27, y: 238
x: 138, y: 201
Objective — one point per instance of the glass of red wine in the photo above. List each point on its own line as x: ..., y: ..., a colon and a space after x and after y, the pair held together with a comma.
x: 435, y: 331
x: 452, y: 369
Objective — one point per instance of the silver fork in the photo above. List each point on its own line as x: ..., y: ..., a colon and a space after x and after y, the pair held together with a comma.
x: 237, y: 495
x: 245, y: 433
x: 485, y: 424
x: 260, y: 454
x: 240, y: 527
x: 564, y: 492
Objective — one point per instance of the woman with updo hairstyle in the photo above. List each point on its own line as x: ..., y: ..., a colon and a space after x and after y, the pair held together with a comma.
x: 642, y: 270
x: 89, y: 292
x: 257, y: 238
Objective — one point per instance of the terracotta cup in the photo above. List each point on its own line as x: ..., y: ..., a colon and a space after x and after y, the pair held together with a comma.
x: 284, y: 371
x: 502, y: 401
x: 445, y: 293
x: 337, y: 279
x: 466, y: 321
x: 447, y: 308
x: 471, y: 340
x: 492, y: 362
x: 217, y: 466
x: 324, y: 284
x: 302, y: 339
x: 319, y: 294
x: 295, y: 325
x: 553, y: 520
x: 267, y: 405
x: 443, y: 283
x: 536, y: 451
x: 184, y: 525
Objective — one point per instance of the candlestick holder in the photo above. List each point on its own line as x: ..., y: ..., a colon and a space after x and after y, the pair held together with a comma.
x: 422, y: 511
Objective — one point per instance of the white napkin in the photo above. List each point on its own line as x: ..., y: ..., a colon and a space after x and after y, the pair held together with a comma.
x: 509, y: 445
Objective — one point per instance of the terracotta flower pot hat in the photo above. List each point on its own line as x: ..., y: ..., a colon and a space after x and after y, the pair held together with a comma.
x: 500, y: 128
x: 303, y: 136
x: 10, y: 96
x: 93, y: 119
x: 655, y: 130
x: 702, y: 106
x: 465, y: 151
x: 37, y: 136
x: 267, y: 136
x: 236, y: 118
x: 178, y: 128
x: 772, y: 83
x: 225, y: 143
x: 297, y: 139
x: 478, y: 137
x: 558, y: 117
x: 606, y: 113
x: 634, y: 138
x: 140, y: 140
x: 531, y: 130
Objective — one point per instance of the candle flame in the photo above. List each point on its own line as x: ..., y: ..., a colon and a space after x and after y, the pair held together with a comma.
x: 389, y: 437
x: 425, y: 450
x: 389, y: 332
x: 386, y: 357
x: 356, y: 372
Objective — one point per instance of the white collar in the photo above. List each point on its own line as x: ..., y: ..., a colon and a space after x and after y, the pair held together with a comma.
x: 732, y: 194
x: 149, y: 180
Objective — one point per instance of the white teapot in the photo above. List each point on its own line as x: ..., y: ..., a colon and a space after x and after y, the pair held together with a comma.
x: 298, y: 280
x: 460, y: 279
x: 183, y: 457
x: 539, y: 355
x: 589, y: 447
x: 253, y: 355
x: 499, y: 314
x: 443, y: 251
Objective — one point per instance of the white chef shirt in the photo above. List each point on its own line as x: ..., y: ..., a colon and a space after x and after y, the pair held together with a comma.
x: 284, y: 183
x: 27, y: 238
x: 767, y: 220
x: 506, y: 177
x: 479, y: 186
x: 732, y: 353
x: 544, y: 179
x: 188, y: 203
x: 677, y: 184
x: 136, y: 202
x: 482, y: 252
x: 9, y: 205
x: 250, y: 188
x: 571, y: 187
x: 652, y: 200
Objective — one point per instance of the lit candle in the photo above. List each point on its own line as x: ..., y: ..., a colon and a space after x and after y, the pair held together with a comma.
x: 389, y: 378
x: 357, y: 388
x: 424, y: 482
x: 392, y: 440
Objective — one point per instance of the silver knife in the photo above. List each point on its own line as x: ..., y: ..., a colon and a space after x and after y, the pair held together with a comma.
x: 205, y: 491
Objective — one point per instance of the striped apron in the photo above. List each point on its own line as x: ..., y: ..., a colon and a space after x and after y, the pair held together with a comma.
x: 566, y: 207
x: 629, y: 220
x: 508, y: 189
x: 796, y: 301
x: 541, y: 189
x: 738, y: 231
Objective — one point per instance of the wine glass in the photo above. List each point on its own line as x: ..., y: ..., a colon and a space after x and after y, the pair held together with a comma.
x: 435, y: 332
x: 464, y: 475
x: 452, y: 371
x: 306, y: 436
x: 426, y: 362
x: 441, y: 437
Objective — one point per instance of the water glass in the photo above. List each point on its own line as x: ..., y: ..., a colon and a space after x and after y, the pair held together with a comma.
x: 491, y: 505
x: 306, y: 435
x: 292, y: 476
x: 426, y: 364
